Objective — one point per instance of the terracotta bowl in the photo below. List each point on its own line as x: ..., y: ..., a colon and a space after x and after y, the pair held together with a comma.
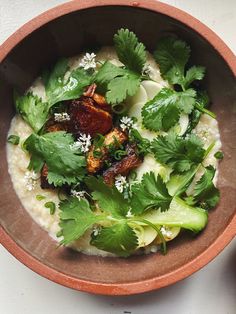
x: 66, y: 31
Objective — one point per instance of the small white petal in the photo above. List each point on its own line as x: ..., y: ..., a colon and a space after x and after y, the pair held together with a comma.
x: 60, y: 117
x: 78, y: 194
x: 88, y: 61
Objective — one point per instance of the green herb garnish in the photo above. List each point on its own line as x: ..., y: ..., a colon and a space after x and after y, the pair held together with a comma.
x: 40, y: 197
x: 60, y: 88
x: 65, y: 166
x: 121, y: 82
x: 13, y: 139
x: 51, y: 206
x: 32, y: 109
x: 179, y: 153
x: 151, y: 192
x: 219, y: 155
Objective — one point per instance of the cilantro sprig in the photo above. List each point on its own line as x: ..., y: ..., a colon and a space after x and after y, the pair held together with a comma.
x: 151, y: 192
x: 130, y: 51
x: 172, y: 55
x: 163, y: 112
x: 177, y: 152
x: 205, y: 193
x: 117, y: 218
x: 60, y: 87
x: 119, y: 238
x: 75, y: 218
x: 32, y: 109
x: 121, y: 82
x: 65, y: 166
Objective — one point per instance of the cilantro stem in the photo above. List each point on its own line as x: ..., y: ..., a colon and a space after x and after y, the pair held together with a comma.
x: 208, y: 150
x: 204, y: 110
x: 146, y: 222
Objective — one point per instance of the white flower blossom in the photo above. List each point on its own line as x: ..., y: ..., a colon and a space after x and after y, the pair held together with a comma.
x: 30, y: 179
x: 129, y: 213
x: 166, y: 232
x: 88, y: 61
x: 96, y: 230
x: 78, y: 194
x: 60, y: 117
x: 83, y: 143
x: 120, y: 183
x: 147, y: 70
x: 126, y: 123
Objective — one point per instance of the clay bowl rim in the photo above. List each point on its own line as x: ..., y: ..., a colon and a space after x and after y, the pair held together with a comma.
x: 144, y: 285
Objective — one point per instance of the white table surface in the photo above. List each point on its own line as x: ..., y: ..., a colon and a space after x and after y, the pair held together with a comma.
x: 212, y: 290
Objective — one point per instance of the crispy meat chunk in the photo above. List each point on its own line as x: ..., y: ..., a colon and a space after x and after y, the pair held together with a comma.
x: 86, y: 118
x: 116, y: 137
x: 100, y: 102
x: 44, y: 181
x: 123, y: 167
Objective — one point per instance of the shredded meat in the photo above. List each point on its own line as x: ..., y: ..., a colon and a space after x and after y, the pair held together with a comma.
x: 123, y: 167
x: 90, y: 90
x: 116, y: 137
x: 88, y: 119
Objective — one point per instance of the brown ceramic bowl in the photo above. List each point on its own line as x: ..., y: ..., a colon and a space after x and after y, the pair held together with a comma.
x: 65, y: 31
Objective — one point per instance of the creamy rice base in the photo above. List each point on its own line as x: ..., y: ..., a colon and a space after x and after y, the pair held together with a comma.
x: 18, y: 160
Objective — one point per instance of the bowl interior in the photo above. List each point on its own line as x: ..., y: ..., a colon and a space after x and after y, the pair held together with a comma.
x: 70, y: 35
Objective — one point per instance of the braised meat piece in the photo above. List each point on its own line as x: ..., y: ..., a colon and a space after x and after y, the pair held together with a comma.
x: 115, y: 137
x: 100, y: 101
x: 123, y: 167
x: 44, y: 181
x: 88, y: 119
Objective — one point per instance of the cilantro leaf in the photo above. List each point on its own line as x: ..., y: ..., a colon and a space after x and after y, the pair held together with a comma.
x: 75, y: 218
x: 202, y: 99
x: 162, y: 112
x: 179, y: 153
x: 172, y: 55
x: 60, y: 87
x: 109, y: 199
x: 205, y: 193
x: 186, y: 100
x: 119, y: 82
x: 129, y: 50
x: 32, y: 109
x: 119, y: 239
x: 150, y: 192
x: 194, y: 73
x: 64, y: 164
x: 143, y: 144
